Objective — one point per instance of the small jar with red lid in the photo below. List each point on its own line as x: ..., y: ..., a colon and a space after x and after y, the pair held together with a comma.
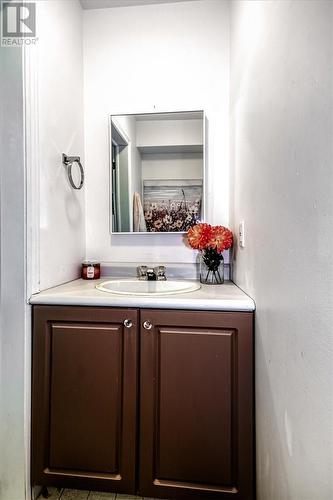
x: 91, y: 270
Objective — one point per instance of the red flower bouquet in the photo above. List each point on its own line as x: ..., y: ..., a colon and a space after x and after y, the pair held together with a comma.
x: 211, y: 241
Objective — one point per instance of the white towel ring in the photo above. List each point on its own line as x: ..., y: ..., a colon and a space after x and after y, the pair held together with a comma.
x: 68, y: 163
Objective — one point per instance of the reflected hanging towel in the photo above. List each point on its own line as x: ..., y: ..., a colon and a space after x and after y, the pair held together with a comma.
x: 139, y: 223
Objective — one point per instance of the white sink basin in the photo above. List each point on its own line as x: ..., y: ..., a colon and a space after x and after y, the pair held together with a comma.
x: 136, y: 287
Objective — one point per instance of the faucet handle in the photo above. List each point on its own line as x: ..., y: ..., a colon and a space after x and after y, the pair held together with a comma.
x: 160, y: 273
x: 142, y: 272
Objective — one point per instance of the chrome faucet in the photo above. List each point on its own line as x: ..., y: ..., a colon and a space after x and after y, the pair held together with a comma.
x: 151, y: 273
x: 142, y: 272
x: 160, y: 273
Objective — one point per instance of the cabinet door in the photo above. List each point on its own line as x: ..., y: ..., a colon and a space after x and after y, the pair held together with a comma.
x: 196, y: 433
x: 84, y: 397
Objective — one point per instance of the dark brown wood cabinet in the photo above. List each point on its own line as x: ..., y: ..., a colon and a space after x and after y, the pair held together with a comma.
x: 188, y: 410
x: 196, y: 433
x: 84, y: 398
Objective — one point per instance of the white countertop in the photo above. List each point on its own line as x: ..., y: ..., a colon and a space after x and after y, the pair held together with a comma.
x: 226, y: 297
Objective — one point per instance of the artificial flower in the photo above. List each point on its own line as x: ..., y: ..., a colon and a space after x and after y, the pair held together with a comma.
x: 199, y: 236
x: 221, y: 238
x: 204, y: 236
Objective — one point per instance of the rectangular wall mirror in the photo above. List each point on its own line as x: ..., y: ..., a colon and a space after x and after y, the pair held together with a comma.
x: 157, y: 172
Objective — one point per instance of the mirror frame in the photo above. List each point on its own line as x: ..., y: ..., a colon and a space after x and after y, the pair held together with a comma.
x: 204, y: 167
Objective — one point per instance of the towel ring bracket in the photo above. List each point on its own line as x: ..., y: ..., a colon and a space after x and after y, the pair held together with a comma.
x: 68, y: 162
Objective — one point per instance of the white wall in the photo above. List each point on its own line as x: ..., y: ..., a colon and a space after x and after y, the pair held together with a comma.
x: 60, y: 75
x: 169, y: 132
x: 282, y: 150
x: 135, y: 163
x: 128, y: 126
x: 170, y: 57
x: 13, y: 392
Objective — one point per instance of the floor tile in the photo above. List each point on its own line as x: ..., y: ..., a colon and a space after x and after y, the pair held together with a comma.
x: 66, y: 494
x: 101, y: 495
x: 53, y: 493
x: 127, y: 497
x: 74, y: 495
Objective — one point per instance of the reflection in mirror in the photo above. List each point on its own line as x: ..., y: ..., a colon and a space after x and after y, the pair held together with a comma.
x: 157, y: 162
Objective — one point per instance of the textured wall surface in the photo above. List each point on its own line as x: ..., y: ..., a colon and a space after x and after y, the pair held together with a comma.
x: 12, y: 279
x: 282, y: 150
x: 60, y: 81
x: 168, y: 57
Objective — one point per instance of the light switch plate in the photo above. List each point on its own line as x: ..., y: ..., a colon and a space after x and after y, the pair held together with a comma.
x: 241, y: 234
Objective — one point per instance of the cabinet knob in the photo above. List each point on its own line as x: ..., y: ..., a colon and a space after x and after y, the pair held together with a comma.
x: 147, y: 325
x: 128, y: 323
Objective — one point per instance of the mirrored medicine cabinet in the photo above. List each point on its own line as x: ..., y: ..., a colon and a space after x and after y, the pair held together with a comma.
x: 157, y: 172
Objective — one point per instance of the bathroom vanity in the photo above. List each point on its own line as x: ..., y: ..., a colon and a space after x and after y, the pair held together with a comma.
x: 138, y: 396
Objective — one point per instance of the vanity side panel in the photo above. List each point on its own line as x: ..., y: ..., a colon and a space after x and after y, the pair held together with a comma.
x: 197, y: 426
x: 84, y: 430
